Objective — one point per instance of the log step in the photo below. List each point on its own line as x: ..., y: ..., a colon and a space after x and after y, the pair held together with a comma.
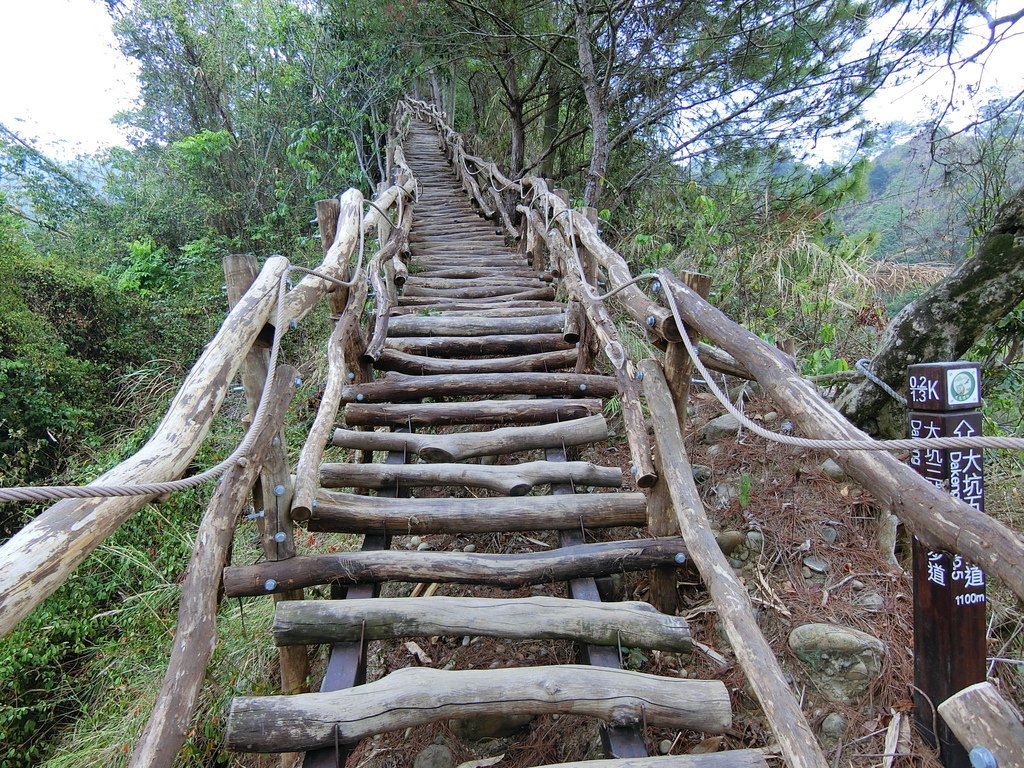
x: 494, y: 280
x: 511, y: 480
x: 460, y: 446
x: 418, y: 325
x: 465, y: 346
x: 396, y: 387
x: 465, y: 273
x: 482, y: 292
x: 505, y: 571
x: 393, y: 360
x: 473, y: 412
x: 491, y: 306
x: 538, y: 294
x: 350, y: 513
x: 626, y: 625
x: 417, y: 696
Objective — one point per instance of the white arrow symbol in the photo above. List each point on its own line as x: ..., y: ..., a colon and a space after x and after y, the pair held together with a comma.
x: 963, y: 429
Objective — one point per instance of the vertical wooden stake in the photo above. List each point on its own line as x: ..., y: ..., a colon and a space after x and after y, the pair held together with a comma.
x: 273, y: 494
x: 661, y: 517
x: 949, y: 592
x: 327, y: 212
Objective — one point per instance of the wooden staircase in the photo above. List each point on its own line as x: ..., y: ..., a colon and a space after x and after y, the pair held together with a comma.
x: 478, y: 394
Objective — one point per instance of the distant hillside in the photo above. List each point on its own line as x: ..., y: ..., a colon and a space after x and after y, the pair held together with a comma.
x: 924, y: 206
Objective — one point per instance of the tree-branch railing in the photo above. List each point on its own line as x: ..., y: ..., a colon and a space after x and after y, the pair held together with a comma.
x: 941, y: 521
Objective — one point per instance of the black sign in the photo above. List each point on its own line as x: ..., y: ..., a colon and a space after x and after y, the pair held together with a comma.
x: 949, y: 591
x: 943, y: 386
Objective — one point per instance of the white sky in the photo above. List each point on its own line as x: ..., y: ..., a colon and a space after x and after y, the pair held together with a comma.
x: 62, y: 78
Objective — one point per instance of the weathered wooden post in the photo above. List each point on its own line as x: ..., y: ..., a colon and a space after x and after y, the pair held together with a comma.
x: 949, y: 592
x: 272, y: 496
x: 661, y: 514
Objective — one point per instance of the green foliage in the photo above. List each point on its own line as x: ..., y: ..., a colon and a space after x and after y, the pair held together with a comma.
x: 633, y: 658
x: 822, y: 361
x: 63, y: 334
x: 744, y: 490
x: 766, y: 235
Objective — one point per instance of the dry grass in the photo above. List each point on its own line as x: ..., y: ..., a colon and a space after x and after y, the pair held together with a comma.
x: 891, y: 277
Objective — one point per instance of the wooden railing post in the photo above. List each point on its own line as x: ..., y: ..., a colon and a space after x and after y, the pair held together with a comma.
x: 327, y: 221
x: 273, y: 494
x: 661, y: 518
x: 195, y: 638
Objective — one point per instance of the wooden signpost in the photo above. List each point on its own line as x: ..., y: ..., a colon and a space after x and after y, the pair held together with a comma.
x: 949, y: 591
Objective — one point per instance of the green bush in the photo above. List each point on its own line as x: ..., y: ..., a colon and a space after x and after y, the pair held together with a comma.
x: 65, y: 334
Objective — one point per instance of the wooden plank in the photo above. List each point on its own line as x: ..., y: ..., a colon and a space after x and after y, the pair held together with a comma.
x: 476, y: 412
x: 490, y: 305
x: 467, y: 346
x: 460, y: 446
x: 509, y: 571
x: 349, y: 513
x: 396, y: 387
x: 393, y: 360
x: 419, y: 325
x: 633, y: 624
x: 416, y: 696
x: 538, y: 294
x: 511, y: 479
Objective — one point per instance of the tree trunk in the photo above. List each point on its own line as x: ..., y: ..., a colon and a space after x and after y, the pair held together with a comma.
x: 551, y: 119
x: 596, y: 104
x: 945, y: 322
x: 517, y: 152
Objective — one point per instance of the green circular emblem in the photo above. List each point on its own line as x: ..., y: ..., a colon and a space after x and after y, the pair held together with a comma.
x: 963, y: 386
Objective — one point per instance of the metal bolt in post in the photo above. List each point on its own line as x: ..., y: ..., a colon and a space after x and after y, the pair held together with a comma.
x: 982, y: 757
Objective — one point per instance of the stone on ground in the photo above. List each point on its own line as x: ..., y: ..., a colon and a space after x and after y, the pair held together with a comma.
x: 841, y: 661
x: 720, y: 428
